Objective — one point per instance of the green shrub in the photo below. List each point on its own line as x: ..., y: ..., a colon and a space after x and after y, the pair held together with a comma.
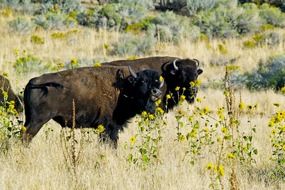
x: 269, y: 75
x: 224, y: 22
x: 54, y: 21
x: 30, y: 64
x: 272, y: 15
x: 173, y: 28
x: 132, y: 45
x: 21, y: 25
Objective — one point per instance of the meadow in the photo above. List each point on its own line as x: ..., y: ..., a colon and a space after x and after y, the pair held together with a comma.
x: 230, y: 138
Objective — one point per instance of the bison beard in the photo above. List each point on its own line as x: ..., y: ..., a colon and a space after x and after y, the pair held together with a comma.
x: 175, y: 71
x: 102, y: 96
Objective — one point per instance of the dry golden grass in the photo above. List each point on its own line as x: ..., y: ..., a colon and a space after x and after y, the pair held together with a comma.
x: 42, y: 164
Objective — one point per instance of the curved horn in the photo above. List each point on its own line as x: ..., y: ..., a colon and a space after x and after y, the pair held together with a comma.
x: 174, y: 65
x: 197, y: 62
x: 161, y: 84
x: 132, y: 72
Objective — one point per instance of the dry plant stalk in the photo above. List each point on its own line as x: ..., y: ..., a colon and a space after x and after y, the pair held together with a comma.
x: 68, y: 143
x: 231, y: 124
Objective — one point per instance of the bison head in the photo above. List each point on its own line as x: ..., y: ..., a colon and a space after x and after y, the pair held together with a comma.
x: 141, y: 89
x: 181, y: 73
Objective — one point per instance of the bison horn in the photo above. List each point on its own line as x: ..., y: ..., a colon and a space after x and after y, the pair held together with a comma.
x: 132, y: 72
x: 174, y: 65
x: 197, y: 62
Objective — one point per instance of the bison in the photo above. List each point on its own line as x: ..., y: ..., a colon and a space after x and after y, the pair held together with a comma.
x: 107, y: 96
x: 176, y: 73
x: 5, y: 86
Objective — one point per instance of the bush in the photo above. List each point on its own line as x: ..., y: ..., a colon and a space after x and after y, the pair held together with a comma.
x: 54, y: 21
x: 194, y: 6
x: 269, y: 75
x: 173, y: 28
x: 224, y: 22
x: 131, y: 45
x: 21, y: 25
x: 30, y: 64
x: 272, y: 15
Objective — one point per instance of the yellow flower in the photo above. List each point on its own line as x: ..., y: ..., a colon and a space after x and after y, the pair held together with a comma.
x: 182, y: 97
x: 100, y: 129
x: 221, y: 170
x: 224, y: 130
x: 242, y: 106
x: 74, y: 61
x: 97, y: 64
x: 161, y: 79
x: 177, y: 88
x: 144, y: 114
x: 159, y: 110
x: 198, y: 100
x: 210, y: 166
x: 151, y: 116
x: 231, y: 156
x: 168, y: 96
x: 158, y: 102
x: 133, y: 140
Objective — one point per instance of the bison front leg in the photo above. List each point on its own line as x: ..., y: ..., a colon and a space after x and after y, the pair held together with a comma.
x: 110, y: 135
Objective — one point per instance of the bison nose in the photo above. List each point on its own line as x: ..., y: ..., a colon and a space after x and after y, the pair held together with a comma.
x: 155, y: 94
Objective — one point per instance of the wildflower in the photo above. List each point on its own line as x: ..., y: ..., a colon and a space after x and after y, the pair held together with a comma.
x: 133, y: 140
x: 159, y: 110
x: 231, y: 156
x: 210, y: 166
x: 158, y: 102
x: 192, y: 84
x: 177, y: 88
x: 151, y: 116
x: 144, y: 114
x: 97, y: 64
x: 74, y: 62
x: 182, y: 97
x: 242, y: 106
x: 221, y: 170
x: 224, y: 130
x: 168, y: 96
x: 198, y: 100
x: 100, y: 129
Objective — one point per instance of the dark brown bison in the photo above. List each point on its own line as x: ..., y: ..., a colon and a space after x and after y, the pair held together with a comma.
x: 107, y: 96
x: 176, y: 73
x: 5, y: 87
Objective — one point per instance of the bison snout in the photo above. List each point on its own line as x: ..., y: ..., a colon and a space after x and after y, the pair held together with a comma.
x: 155, y: 94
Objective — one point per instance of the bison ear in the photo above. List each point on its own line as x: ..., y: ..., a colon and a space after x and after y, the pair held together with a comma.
x: 199, y: 71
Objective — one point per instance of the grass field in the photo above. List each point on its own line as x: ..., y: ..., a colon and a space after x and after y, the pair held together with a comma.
x: 43, y: 165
